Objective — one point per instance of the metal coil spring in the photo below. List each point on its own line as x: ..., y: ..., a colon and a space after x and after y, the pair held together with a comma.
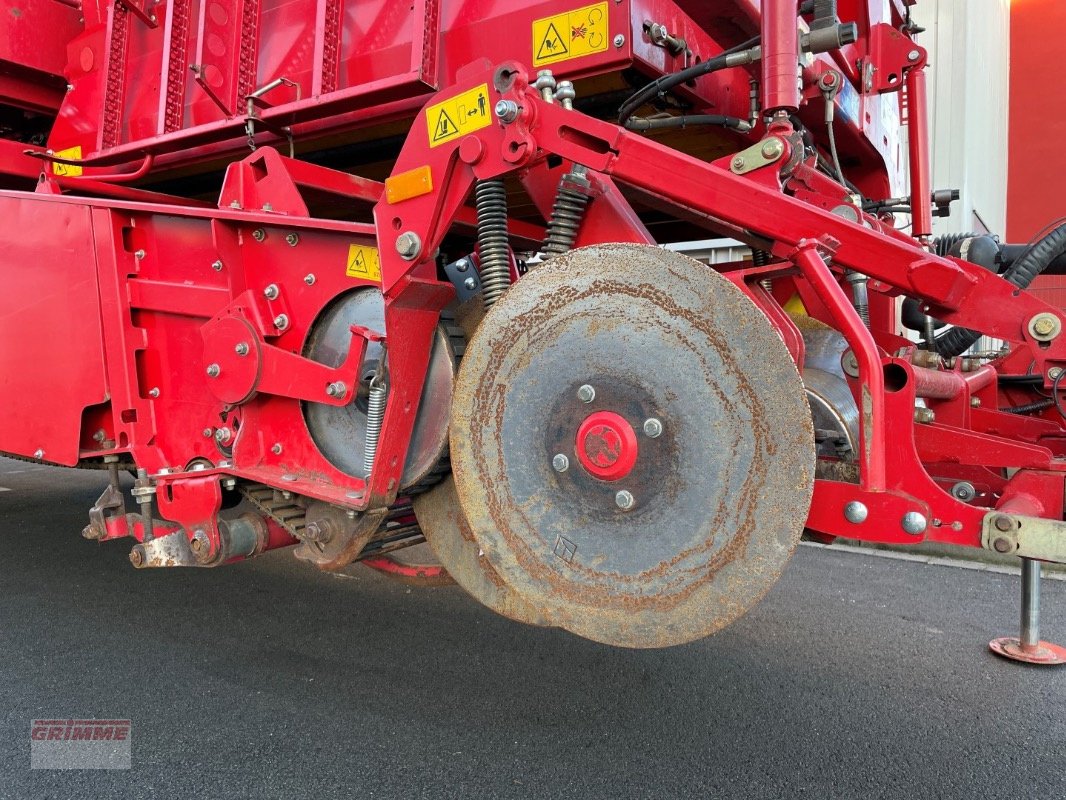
x: 490, y: 199
x: 760, y: 258
x: 375, y: 412
x: 568, y: 212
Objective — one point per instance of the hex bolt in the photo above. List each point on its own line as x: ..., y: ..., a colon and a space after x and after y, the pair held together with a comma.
x: 241, y: 349
x: 1003, y: 523
x: 914, y: 523
x: 1002, y: 545
x: 213, y: 370
x: 223, y: 435
x: 309, y: 279
x: 271, y: 292
x: 137, y: 556
x: 653, y: 428
x: 408, y: 245
x: 293, y: 239
x: 319, y: 531
x: 856, y: 512
x: 259, y: 234
x: 975, y: 402
x: 619, y: 40
x: 337, y: 389
x: 586, y: 394
x: 507, y: 111
x: 624, y: 500
x: 470, y: 284
x: 281, y: 322
x: 216, y: 265
x: 773, y: 148
x: 561, y: 463
x: 924, y: 416
x: 739, y: 162
x: 276, y: 449
x: 1042, y: 326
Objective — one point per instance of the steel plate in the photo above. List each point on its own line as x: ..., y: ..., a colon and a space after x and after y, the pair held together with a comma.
x: 720, y: 496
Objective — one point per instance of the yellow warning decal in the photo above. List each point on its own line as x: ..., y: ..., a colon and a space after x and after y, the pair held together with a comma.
x: 363, y: 262
x: 68, y: 170
x: 577, y: 33
x: 463, y: 114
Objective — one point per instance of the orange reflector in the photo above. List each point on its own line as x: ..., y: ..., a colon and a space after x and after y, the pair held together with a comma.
x: 413, y: 183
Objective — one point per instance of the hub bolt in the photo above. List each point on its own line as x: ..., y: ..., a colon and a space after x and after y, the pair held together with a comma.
x: 586, y: 394
x: 653, y: 428
x: 561, y: 463
x: 624, y: 500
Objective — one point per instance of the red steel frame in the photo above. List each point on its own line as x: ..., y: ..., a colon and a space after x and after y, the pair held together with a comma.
x: 154, y: 292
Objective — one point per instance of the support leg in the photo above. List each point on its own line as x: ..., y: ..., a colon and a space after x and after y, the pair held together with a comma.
x: 1028, y: 647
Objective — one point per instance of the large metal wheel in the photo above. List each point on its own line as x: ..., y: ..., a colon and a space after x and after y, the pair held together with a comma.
x: 631, y: 446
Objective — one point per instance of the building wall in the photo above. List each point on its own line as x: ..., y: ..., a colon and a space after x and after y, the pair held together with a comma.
x: 1035, y: 189
x: 969, y: 56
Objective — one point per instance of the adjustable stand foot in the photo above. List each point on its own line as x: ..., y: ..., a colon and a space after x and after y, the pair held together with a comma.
x: 1028, y: 647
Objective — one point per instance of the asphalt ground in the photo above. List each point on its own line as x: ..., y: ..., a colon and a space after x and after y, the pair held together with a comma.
x: 857, y: 677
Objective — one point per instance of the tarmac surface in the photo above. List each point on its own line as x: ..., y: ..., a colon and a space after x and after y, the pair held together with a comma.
x: 858, y: 676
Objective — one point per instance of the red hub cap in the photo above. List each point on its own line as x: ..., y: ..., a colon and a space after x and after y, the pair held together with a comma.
x: 607, y: 446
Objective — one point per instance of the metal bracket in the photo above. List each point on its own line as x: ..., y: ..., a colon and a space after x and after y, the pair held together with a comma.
x: 759, y: 155
x: 1027, y: 537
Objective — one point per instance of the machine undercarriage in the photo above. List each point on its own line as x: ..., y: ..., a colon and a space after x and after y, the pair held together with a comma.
x: 427, y: 301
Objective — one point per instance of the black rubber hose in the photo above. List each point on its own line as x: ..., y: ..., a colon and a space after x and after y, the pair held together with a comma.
x: 1039, y: 405
x: 639, y: 124
x: 1021, y: 273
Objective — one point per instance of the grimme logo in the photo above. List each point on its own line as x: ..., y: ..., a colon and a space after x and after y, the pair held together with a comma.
x: 80, y: 744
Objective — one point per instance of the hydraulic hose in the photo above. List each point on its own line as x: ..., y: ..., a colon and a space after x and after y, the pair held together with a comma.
x: 657, y: 123
x: 1021, y: 273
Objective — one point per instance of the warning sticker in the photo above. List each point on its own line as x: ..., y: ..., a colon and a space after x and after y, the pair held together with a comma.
x: 363, y: 263
x: 69, y: 170
x: 450, y: 119
x: 577, y: 33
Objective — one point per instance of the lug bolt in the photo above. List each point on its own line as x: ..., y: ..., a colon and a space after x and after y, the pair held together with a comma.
x: 561, y: 463
x: 1002, y: 545
x: 241, y: 349
x: 213, y: 370
x: 624, y: 500
x: 586, y: 394
x: 309, y: 279
x: 337, y: 389
x: 281, y: 322
x: 856, y: 512
x: 259, y: 234
x: 271, y: 292
x: 507, y: 111
x: 914, y: 523
x: 653, y: 428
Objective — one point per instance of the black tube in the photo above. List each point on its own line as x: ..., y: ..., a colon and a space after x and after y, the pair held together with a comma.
x: 639, y: 124
x: 1021, y: 273
x: 1010, y: 253
x: 1038, y: 405
x: 973, y: 247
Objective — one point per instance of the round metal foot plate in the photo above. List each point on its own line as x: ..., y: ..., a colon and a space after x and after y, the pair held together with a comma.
x: 1044, y: 653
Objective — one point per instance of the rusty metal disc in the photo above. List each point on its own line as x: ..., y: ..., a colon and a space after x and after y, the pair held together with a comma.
x: 447, y: 531
x: 594, y: 353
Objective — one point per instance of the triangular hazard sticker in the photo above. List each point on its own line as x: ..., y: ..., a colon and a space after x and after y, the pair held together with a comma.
x: 551, y: 44
x: 445, y: 126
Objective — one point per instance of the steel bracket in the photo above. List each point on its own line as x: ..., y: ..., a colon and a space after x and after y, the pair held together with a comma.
x: 1027, y: 537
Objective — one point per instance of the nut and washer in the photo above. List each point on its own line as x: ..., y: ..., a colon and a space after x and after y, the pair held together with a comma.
x: 624, y: 500
x: 560, y: 463
x: 773, y: 148
x: 914, y: 523
x: 213, y: 370
x: 1044, y: 327
x: 507, y: 111
x: 271, y: 292
x: 924, y: 416
x: 259, y: 234
x: 293, y: 239
x: 856, y: 512
x: 281, y: 322
x: 586, y: 394
x: 309, y: 279
x: 964, y: 491
x: 739, y: 162
x: 653, y: 428
x: 408, y: 245
x: 241, y: 349
x: 337, y: 389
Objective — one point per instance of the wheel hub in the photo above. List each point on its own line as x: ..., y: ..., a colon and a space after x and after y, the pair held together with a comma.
x: 607, y: 446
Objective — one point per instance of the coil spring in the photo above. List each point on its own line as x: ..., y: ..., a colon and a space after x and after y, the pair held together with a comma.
x: 760, y: 258
x: 568, y: 212
x: 375, y: 412
x: 490, y: 198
